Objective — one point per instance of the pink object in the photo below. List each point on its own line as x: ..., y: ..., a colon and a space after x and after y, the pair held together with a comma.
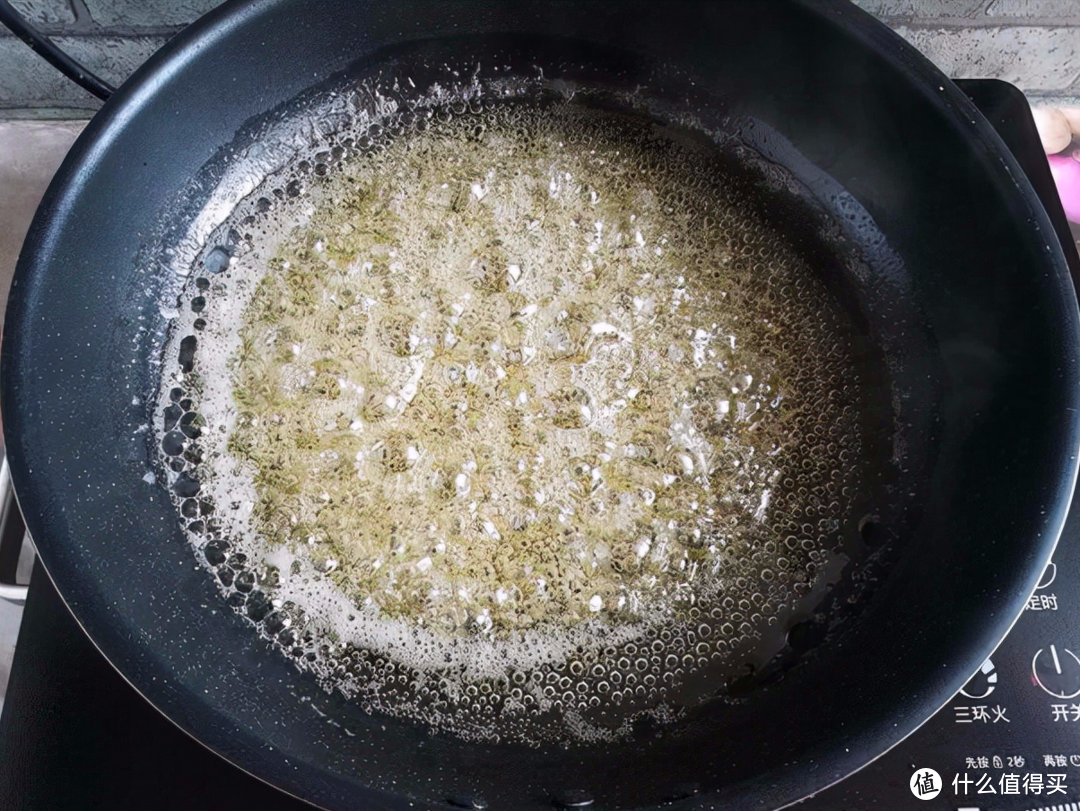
x: 1066, y: 172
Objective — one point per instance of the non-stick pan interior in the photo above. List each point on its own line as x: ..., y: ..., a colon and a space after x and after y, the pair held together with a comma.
x: 822, y: 527
x: 963, y: 384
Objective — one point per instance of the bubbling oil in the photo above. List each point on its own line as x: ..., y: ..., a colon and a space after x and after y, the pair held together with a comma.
x: 513, y: 420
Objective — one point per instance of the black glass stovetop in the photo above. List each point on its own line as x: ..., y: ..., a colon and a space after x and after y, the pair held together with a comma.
x: 74, y: 735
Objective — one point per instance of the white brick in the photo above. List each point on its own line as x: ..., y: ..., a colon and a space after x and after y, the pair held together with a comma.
x: 44, y: 12
x: 1029, y: 9
x: 922, y: 8
x: 148, y: 13
x: 1030, y: 57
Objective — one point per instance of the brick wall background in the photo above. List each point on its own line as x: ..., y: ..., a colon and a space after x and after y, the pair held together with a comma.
x: 110, y: 37
x: 1033, y: 43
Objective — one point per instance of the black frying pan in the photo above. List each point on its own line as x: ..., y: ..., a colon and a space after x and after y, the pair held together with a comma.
x: 978, y: 307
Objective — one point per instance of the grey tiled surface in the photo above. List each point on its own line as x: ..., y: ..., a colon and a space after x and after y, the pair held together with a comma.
x: 936, y: 9
x: 46, y: 12
x: 147, y: 14
x: 1059, y: 9
x: 1035, y: 44
x: 1037, y: 59
x: 110, y: 37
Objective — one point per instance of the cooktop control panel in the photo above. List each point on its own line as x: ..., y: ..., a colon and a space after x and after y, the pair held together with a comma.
x: 1010, y: 740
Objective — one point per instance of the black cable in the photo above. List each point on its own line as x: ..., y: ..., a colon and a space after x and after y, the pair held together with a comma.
x: 11, y: 19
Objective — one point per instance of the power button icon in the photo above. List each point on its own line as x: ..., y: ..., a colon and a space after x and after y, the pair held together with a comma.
x: 1057, y: 671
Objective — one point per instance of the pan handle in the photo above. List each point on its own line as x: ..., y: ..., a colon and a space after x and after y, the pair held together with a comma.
x: 12, y: 532
x: 38, y: 42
